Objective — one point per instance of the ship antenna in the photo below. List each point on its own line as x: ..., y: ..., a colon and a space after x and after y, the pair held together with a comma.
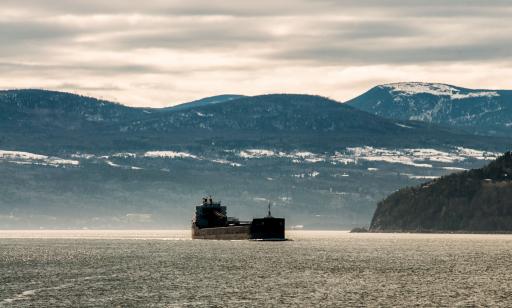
x: 269, y: 214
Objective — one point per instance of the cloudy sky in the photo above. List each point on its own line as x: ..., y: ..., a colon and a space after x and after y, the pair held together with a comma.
x: 163, y: 52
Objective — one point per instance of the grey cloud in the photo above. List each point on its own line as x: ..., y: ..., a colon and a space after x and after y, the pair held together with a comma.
x: 241, y: 32
x: 168, y: 7
x: 345, y: 30
x: 211, y: 36
x: 75, y: 86
x: 35, y: 38
x: 112, y: 69
x: 12, y: 33
x: 70, y: 69
x: 259, y: 8
x: 388, y: 54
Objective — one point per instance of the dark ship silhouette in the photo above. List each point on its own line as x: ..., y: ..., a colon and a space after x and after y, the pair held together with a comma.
x: 211, y: 222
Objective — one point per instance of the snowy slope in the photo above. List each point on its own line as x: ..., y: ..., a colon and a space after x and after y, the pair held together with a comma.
x: 485, y: 112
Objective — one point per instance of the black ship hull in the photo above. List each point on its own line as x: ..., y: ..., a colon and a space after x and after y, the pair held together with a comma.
x: 211, y: 223
x: 222, y: 233
x: 265, y: 229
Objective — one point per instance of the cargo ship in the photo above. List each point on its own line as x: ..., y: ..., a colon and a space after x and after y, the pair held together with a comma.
x: 212, y: 223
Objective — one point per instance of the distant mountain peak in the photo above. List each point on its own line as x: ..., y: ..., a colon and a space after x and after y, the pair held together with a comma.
x: 480, y: 111
x: 42, y: 96
x: 211, y: 100
x: 437, y: 89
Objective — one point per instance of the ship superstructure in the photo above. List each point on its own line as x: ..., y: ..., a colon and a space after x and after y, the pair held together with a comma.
x: 211, y: 222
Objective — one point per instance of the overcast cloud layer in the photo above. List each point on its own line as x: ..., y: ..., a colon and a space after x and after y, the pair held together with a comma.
x: 163, y: 52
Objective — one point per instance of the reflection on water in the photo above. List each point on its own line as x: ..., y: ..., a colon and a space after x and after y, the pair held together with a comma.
x: 166, y: 268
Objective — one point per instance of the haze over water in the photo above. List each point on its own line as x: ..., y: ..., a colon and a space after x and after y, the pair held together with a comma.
x: 167, y: 269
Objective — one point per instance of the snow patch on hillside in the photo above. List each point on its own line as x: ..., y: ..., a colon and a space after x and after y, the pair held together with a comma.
x: 455, y: 168
x: 384, y: 155
x: 83, y: 155
x: 477, y: 154
x: 257, y: 153
x: 367, y: 157
x: 27, y: 158
x: 226, y: 162
x: 112, y: 164
x: 296, y: 156
x: 421, y: 177
x: 415, y: 157
x: 421, y: 157
x: 403, y: 125
x: 169, y: 154
x: 125, y: 155
x: 438, y: 89
x: 312, y: 174
x: 200, y: 114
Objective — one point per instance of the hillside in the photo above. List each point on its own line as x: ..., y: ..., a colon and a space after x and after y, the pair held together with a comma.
x: 44, y: 121
x: 478, y: 200
x: 212, y: 100
x: 79, y: 161
x: 484, y: 112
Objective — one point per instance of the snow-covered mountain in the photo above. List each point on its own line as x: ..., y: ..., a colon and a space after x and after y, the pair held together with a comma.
x: 484, y: 112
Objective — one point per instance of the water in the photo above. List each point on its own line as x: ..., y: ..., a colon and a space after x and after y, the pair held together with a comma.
x: 331, y: 269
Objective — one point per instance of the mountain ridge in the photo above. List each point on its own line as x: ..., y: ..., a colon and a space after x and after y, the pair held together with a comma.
x: 478, y: 111
x: 69, y: 122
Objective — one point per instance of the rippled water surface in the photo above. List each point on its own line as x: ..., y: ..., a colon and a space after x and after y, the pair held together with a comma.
x: 167, y: 269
